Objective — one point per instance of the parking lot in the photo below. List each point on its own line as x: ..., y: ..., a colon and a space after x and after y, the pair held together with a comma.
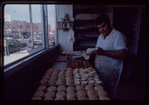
x: 25, y: 51
x: 22, y: 53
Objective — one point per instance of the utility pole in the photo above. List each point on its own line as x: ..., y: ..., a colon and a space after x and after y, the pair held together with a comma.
x: 32, y: 37
x: 7, y: 49
x: 20, y: 37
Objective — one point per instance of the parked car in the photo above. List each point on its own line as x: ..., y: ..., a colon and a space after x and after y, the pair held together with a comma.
x: 15, y: 45
x: 38, y: 40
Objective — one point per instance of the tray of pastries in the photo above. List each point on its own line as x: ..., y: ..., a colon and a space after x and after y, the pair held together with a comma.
x: 71, y: 83
x: 62, y: 92
x: 69, y: 76
x: 72, y: 52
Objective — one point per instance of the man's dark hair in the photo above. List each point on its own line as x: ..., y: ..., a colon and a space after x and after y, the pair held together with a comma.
x: 102, y: 18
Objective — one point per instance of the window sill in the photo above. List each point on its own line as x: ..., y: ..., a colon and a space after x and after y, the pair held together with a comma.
x: 23, y: 62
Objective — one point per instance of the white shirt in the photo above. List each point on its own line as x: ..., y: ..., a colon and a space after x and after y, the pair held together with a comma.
x: 110, y: 68
x: 114, y: 41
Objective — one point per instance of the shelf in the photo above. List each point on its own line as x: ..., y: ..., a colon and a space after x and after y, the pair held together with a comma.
x: 87, y: 38
x: 64, y: 24
x: 83, y: 21
x: 63, y: 27
x: 91, y: 11
x: 64, y: 21
x: 86, y: 29
x: 87, y: 6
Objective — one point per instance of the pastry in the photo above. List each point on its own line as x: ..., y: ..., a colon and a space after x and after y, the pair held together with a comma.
x: 36, y: 98
x: 82, y: 98
x: 68, y: 74
x: 98, y: 82
x: 102, y: 93
x: 42, y: 88
x: 69, y: 78
x: 93, y: 98
x: 44, y: 81
x: 61, y: 75
x: 61, y: 88
x: 62, y: 78
x: 59, y: 98
x: 51, y: 88
x: 57, y: 69
x: 79, y: 87
x: 60, y: 82
x: 91, y: 93
x: 69, y: 82
x: 52, y: 82
x: 91, y: 82
x: 71, y: 95
x: 61, y: 94
x: 39, y: 94
x: 77, y: 82
x: 46, y: 77
x: 76, y: 76
x: 48, y: 99
x: 96, y: 79
x: 71, y: 89
x: 81, y: 93
x: 71, y: 98
x: 49, y: 94
x: 98, y: 87
x: 84, y: 82
x: 69, y: 69
x: 63, y: 69
x: 50, y: 70
x: 89, y: 87
x: 53, y: 78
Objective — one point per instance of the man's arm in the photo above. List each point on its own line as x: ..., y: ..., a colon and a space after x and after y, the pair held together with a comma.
x: 117, y: 54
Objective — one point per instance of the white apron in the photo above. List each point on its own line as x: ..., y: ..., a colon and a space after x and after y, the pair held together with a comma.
x: 110, y: 71
x: 109, y: 68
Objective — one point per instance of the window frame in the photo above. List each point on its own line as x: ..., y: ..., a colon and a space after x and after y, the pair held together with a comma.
x: 46, y: 47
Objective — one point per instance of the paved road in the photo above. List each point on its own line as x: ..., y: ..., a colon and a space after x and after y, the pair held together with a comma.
x: 29, y: 45
x: 28, y: 48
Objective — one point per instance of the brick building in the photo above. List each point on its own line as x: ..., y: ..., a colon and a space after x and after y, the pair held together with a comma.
x: 15, y: 27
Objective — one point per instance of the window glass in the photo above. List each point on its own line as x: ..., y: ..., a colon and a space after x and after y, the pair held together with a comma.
x: 51, y: 24
x: 21, y: 36
x: 37, y: 27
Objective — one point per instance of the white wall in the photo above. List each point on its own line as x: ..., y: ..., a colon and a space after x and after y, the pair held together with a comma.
x: 62, y: 36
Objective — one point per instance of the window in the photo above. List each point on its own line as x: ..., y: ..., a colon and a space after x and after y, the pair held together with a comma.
x: 13, y: 26
x: 51, y: 24
x: 26, y: 26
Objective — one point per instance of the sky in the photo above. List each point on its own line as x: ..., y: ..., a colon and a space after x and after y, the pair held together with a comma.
x: 21, y: 12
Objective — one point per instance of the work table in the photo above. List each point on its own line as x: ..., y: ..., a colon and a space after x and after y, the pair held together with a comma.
x: 71, y: 74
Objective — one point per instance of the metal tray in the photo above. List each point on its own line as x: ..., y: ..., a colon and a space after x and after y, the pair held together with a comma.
x: 73, y: 57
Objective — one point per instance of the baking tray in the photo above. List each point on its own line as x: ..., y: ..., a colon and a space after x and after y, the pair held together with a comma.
x: 64, y: 91
x: 73, y: 57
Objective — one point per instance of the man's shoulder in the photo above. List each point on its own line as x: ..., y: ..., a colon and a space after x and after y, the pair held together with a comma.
x: 119, y: 35
x: 100, y: 36
x: 117, y: 32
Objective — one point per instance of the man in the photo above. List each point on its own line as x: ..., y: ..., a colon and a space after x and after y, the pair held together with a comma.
x: 111, y: 49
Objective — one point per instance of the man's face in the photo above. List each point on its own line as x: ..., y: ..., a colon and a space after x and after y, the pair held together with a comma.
x: 104, y: 28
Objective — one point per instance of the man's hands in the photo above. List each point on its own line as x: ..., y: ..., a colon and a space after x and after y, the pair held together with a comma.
x: 117, y: 54
x: 99, y: 51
